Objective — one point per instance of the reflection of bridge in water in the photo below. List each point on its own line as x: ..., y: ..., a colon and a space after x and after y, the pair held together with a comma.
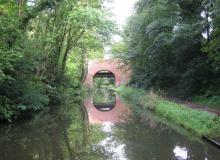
x: 116, y: 114
x: 104, y: 105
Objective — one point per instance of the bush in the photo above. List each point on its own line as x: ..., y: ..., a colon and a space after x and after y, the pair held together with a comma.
x: 139, y: 96
x: 19, y: 96
x: 54, y: 94
x: 34, y: 98
x: 6, y: 109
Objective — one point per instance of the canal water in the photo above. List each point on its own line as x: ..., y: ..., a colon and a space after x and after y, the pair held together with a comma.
x: 102, y: 127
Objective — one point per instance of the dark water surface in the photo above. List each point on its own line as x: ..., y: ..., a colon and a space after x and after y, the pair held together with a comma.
x: 108, y: 132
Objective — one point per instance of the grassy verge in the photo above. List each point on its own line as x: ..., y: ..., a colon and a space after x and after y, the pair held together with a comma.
x: 198, y: 122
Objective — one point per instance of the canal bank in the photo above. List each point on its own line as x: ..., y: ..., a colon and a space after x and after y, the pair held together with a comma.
x: 198, y: 122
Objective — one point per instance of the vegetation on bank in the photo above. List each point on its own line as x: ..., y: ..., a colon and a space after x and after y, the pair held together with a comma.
x: 174, y: 46
x: 44, y: 46
x: 198, y: 122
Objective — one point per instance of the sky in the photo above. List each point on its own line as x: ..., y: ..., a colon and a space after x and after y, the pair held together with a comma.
x: 121, y: 10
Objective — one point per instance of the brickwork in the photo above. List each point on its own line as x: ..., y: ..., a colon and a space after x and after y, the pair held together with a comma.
x: 115, y: 66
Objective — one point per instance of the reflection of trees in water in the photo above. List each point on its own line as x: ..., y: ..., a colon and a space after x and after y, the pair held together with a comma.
x: 104, y: 96
x: 58, y: 135
x: 150, y: 139
x: 41, y: 138
x: 62, y: 134
x: 104, y: 99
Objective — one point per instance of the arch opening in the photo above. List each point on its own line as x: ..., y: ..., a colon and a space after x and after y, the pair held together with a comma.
x: 104, y: 98
x: 103, y: 78
x: 104, y: 73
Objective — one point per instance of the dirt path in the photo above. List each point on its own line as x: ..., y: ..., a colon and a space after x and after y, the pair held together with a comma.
x: 201, y: 107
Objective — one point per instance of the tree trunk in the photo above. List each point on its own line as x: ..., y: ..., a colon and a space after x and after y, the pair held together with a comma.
x: 70, y: 45
x: 84, y: 66
x: 20, y: 4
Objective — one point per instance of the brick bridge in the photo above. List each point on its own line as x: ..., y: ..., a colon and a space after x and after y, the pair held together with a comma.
x: 115, y: 66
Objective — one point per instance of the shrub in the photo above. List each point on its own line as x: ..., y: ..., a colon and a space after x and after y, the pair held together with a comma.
x: 6, y: 109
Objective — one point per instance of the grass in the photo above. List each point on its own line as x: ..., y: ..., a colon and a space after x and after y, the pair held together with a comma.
x: 197, y: 122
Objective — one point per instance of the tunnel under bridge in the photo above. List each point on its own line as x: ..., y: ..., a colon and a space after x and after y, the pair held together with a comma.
x: 107, y: 68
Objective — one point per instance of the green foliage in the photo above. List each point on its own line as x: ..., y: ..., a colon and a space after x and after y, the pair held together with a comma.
x: 165, y: 46
x: 96, y: 54
x: 103, y: 82
x: 34, y: 97
x: 44, y: 49
x: 212, y: 48
x: 6, y: 110
x: 119, y: 48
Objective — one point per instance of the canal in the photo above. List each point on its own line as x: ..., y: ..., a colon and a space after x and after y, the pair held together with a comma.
x: 101, y: 127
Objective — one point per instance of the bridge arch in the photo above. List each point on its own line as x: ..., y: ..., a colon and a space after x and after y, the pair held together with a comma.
x: 111, y: 65
x: 104, y: 73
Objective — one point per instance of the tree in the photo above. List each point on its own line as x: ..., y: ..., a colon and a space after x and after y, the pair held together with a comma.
x: 165, y: 42
x: 36, y: 43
